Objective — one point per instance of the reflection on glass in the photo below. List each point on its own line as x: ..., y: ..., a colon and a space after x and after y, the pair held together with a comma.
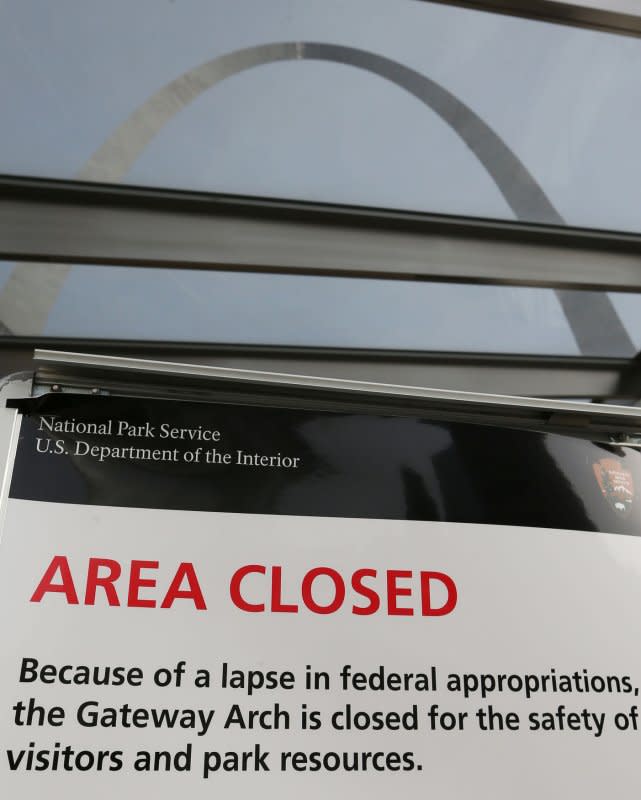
x: 151, y: 94
x: 108, y: 302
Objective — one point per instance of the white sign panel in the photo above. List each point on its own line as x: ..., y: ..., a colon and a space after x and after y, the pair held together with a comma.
x: 160, y: 651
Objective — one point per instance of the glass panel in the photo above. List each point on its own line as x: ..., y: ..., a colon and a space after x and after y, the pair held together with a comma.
x: 390, y: 103
x: 218, y: 307
x: 628, y: 307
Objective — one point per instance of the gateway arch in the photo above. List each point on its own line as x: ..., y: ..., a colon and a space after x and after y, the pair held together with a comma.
x: 38, y: 286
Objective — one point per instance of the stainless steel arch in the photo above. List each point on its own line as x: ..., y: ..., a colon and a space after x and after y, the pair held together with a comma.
x: 520, y: 189
x: 118, y: 153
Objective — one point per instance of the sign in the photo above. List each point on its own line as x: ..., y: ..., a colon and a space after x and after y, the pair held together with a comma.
x: 247, y: 601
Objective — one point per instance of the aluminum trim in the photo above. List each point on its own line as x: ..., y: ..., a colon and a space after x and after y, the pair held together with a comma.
x: 135, y: 367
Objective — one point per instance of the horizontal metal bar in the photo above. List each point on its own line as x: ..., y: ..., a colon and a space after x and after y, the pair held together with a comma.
x: 136, y: 368
x: 67, y: 223
x: 133, y: 348
x: 537, y: 376
x: 64, y: 371
x: 113, y: 196
x: 612, y: 16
